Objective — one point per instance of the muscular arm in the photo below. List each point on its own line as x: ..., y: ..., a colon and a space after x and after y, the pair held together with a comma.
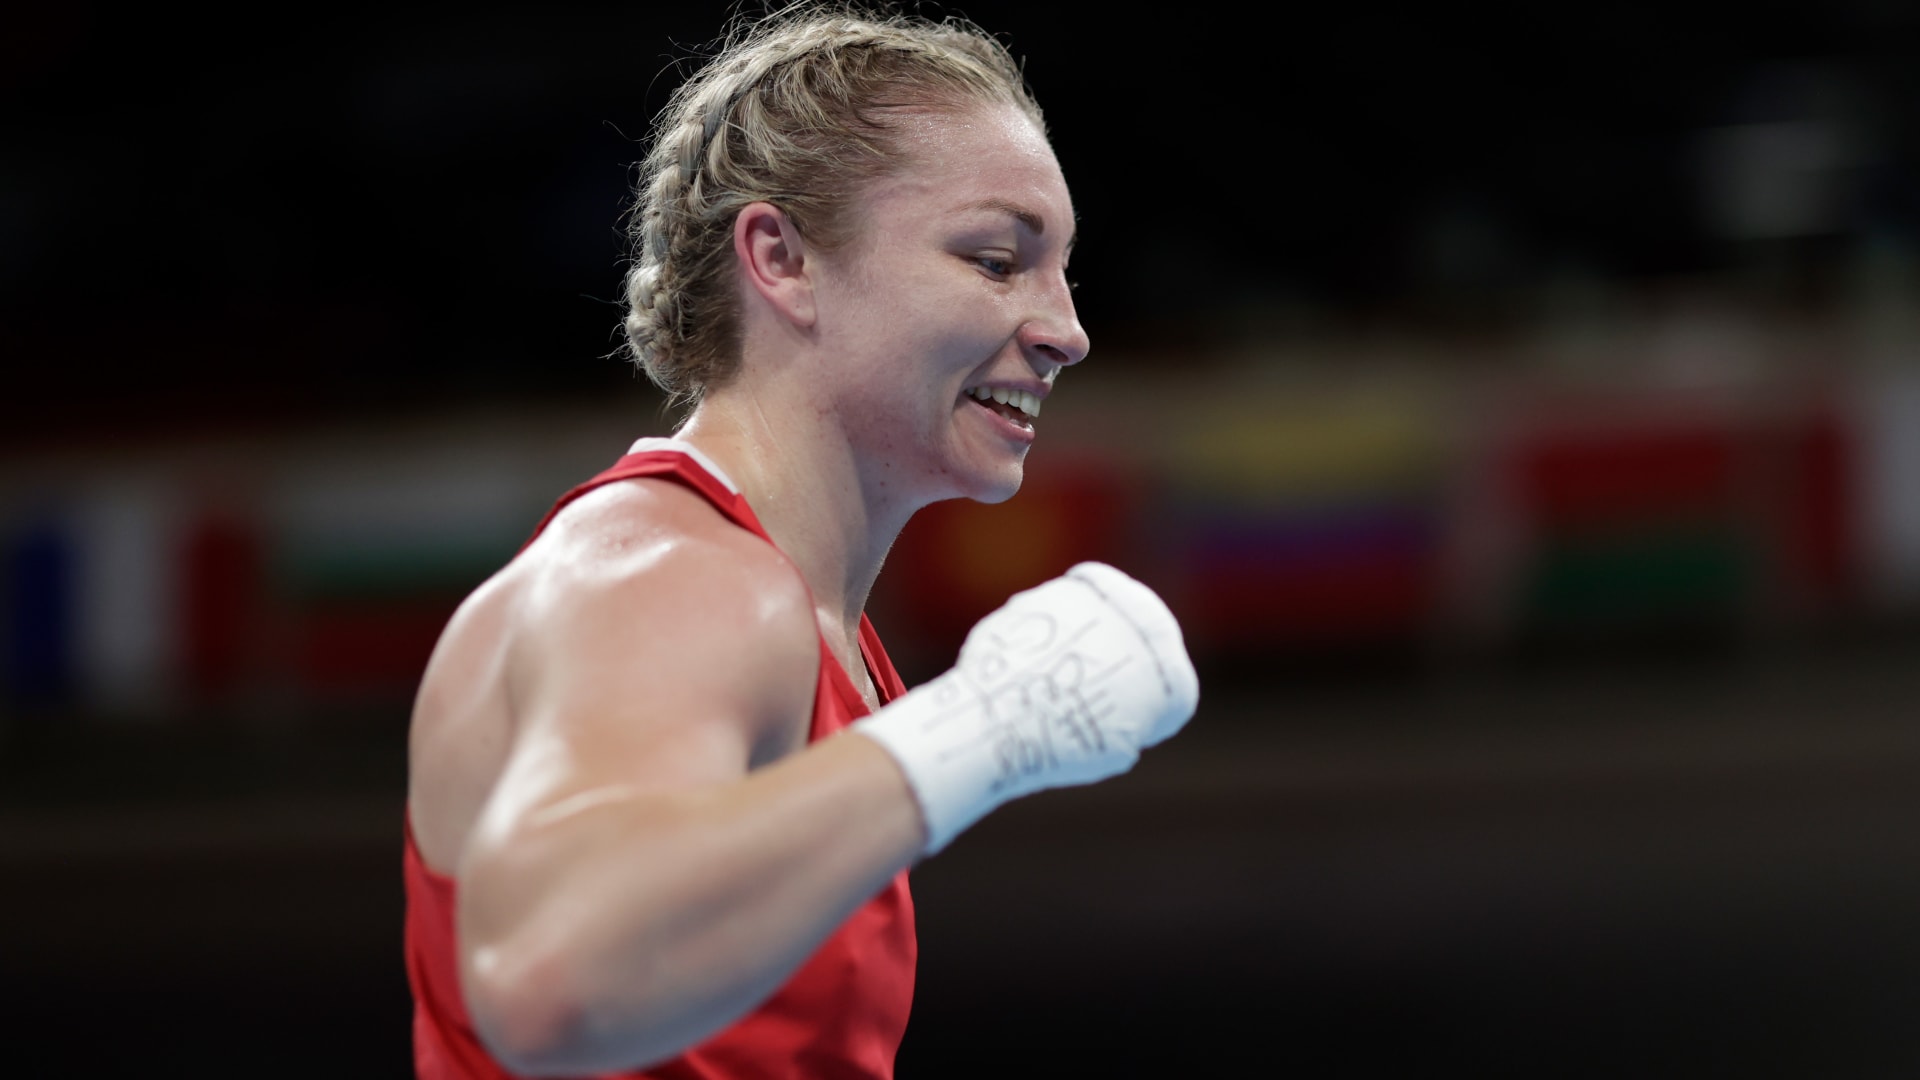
x: 632, y: 884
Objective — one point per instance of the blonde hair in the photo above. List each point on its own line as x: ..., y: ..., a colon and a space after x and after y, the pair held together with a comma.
x: 794, y: 110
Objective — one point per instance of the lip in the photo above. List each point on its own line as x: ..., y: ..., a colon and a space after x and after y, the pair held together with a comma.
x: 1006, y: 428
x: 1035, y: 387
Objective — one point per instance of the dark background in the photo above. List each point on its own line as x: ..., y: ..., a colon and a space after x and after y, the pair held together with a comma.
x: 412, y: 206
x: 1693, y: 861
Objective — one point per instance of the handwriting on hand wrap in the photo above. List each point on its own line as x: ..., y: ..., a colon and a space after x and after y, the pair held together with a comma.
x: 1043, y: 694
x: 1041, y: 715
x: 1038, y: 692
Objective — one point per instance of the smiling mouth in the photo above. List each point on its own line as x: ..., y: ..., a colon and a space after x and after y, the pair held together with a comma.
x: 1016, y: 406
x: 1006, y: 412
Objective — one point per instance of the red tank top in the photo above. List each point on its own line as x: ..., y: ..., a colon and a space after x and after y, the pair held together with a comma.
x: 840, y: 1016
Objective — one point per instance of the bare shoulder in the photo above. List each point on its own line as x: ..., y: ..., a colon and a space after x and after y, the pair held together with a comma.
x: 649, y: 545
x: 642, y: 640
x: 646, y: 587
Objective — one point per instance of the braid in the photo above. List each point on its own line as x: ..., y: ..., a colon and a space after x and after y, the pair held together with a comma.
x: 676, y: 212
x: 792, y: 112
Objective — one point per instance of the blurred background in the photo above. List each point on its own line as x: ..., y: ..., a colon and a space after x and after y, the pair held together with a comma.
x: 1520, y: 405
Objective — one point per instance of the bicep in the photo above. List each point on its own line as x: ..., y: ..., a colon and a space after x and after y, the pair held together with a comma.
x: 628, y: 684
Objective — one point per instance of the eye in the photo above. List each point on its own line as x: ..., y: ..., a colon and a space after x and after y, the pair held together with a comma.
x: 997, y: 265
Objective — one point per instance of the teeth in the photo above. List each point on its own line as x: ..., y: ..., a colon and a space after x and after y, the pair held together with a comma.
x: 1020, y: 399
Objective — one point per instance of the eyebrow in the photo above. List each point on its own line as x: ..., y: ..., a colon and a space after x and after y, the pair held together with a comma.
x: 1021, y: 214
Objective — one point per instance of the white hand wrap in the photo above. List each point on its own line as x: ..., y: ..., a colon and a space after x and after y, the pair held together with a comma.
x: 1064, y: 684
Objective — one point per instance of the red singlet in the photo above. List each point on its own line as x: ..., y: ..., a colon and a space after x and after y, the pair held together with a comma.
x: 841, y: 1015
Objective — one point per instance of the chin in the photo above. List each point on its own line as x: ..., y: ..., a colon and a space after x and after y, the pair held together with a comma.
x: 996, y: 485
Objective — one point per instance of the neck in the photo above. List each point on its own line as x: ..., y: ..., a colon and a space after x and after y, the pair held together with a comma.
x: 806, y: 485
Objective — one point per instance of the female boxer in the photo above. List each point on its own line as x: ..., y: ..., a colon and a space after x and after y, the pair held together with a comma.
x: 665, y: 784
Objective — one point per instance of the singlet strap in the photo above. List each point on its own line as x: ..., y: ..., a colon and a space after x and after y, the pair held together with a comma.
x: 681, y: 462
x: 667, y: 459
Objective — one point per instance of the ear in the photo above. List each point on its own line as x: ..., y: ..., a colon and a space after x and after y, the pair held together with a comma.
x: 773, y: 260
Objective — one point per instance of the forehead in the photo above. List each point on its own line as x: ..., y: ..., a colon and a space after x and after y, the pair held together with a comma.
x: 970, y: 161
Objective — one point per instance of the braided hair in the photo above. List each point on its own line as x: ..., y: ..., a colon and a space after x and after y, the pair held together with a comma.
x: 794, y: 110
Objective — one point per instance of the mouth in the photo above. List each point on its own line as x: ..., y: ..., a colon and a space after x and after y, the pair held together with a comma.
x: 1015, y: 407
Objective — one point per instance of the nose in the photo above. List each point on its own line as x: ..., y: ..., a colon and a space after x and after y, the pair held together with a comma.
x: 1053, y: 333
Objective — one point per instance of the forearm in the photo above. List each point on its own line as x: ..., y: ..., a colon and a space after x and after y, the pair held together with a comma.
x: 634, y: 924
